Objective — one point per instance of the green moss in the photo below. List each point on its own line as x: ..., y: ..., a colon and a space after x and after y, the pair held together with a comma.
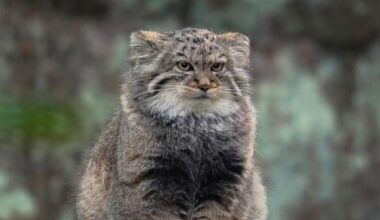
x: 37, y: 120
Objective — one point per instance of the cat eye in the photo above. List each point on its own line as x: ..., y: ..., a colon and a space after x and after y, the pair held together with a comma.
x: 216, y: 67
x: 184, y: 66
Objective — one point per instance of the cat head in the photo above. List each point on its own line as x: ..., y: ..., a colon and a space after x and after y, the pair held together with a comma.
x: 188, y: 71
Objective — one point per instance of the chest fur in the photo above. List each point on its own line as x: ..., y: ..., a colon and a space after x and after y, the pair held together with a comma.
x: 198, y: 160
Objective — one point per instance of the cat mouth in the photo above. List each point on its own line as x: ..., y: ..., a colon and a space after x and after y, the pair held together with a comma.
x: 201, y: 96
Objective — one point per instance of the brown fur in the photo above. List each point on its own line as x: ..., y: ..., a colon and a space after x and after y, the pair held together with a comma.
x: 174, y: 151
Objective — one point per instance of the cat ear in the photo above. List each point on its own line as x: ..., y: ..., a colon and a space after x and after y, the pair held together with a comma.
x: 144, y: 44
x: 238, y: 44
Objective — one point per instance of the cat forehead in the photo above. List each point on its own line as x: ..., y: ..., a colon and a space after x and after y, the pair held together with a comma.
x: 193, y: 36
x: 195, y: 42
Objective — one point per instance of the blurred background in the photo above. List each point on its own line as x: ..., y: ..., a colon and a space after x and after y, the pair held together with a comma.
x: 316, y: 78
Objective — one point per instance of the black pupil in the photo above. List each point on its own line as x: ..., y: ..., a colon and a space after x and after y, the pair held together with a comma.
x: 216, y: 66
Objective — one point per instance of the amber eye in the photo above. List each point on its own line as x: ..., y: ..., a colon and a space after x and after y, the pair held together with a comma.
x: 184, y: 66
x: 216, y: 67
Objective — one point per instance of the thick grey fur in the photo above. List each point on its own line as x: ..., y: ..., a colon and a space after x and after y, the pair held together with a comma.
x: 186, y: 160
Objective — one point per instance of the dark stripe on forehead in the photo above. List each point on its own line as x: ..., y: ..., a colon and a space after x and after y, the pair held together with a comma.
x: 204, y: 65
x: 198, y: 40
x: 178, y: 39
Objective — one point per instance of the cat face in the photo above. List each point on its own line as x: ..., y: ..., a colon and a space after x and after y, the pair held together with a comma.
x: 189, y: 71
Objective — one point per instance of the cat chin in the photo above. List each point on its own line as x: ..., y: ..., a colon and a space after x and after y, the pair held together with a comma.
x: 213, y: 107
x: 176, y: 107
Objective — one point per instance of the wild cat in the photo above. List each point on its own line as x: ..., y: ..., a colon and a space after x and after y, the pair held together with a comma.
x: 182, y: 144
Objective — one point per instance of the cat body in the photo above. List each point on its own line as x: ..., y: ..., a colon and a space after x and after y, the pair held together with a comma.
x: 182, y: 144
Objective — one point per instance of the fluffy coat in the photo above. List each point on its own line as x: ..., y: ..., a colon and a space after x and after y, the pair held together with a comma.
x: 182, y: 144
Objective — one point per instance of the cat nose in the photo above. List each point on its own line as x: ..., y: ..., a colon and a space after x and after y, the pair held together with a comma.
x: 204, y: 87
x: 203, y: 83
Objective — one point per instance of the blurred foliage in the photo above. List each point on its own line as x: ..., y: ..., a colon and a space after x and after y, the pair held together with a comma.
x: 120, y: 53
x: 294, y: 119
x: 95, y: 108
x: 224, y: 17
x: 35, y: 120
x: 16, y: 201
x: 316, y: 74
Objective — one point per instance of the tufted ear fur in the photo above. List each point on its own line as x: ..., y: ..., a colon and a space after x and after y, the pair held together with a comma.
x: 144, y: 44
x: 238, y: 45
